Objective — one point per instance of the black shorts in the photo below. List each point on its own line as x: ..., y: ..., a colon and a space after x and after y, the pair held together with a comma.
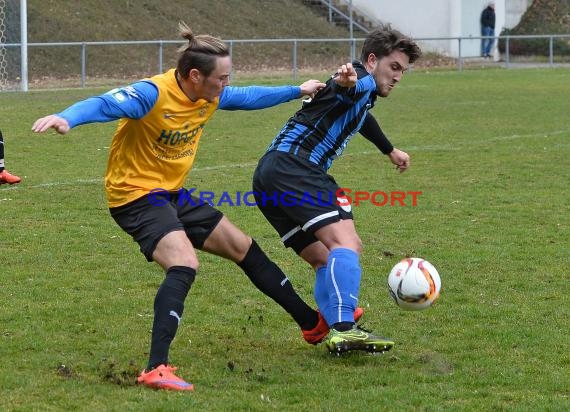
x: 297, y: 197
x: 149, y: 220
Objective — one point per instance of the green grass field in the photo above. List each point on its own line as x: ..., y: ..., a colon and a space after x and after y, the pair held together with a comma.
x: 490, y: 154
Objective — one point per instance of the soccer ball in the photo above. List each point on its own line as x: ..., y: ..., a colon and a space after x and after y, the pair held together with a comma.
x: 414, y: 284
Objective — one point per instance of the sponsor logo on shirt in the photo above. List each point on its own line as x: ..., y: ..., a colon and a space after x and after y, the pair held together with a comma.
x: 123, y: 93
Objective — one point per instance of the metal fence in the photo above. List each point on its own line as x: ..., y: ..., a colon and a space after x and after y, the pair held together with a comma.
x: 82, y: 64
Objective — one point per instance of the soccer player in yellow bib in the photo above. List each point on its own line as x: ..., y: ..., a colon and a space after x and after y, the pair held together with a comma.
x: 161, y: 120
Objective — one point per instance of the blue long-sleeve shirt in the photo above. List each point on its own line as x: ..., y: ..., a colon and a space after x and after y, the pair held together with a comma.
x: 136, y: 100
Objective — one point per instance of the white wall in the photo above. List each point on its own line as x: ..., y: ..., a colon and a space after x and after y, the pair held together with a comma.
x: 470, y: 24
x: 423, y: 19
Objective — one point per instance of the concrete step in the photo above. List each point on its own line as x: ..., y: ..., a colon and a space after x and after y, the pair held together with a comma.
x: 338, y: 19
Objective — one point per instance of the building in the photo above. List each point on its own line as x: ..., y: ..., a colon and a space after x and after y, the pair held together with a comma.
x: 447, y: 19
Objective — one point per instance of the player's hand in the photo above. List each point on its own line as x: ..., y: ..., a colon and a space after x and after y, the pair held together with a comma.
x: 400, y: 159
x: 311, y: 87
x: 346, y: 76
x: 51, y: 122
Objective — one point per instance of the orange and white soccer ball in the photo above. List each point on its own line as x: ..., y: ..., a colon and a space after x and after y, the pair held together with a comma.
x: 414, y: 284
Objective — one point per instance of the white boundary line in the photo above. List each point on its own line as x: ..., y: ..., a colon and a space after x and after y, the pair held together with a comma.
x: 443, y: 147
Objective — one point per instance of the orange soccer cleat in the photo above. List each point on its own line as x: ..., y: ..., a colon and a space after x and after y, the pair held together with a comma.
x: 7, y: 177
x: 163, y: 377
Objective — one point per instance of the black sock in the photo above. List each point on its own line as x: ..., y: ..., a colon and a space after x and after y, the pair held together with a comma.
x: 343, y: 326
x: 271, y: 280
x: 168, y: 309
x: 1, y: 153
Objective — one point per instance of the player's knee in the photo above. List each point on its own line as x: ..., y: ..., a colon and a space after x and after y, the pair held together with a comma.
x: 189, y: 261
x: 176, y: 257
x: 352, y: 242
x: 358, y: 245
x: 228, y: 241
x: 240, y: 247
x: 315, y: 261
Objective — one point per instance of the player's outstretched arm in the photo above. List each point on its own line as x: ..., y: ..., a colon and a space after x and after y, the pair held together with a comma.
x: 51, y: 122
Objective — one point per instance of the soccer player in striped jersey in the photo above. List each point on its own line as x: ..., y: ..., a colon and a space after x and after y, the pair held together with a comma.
x: 161, y: 120
x: 296, y: 165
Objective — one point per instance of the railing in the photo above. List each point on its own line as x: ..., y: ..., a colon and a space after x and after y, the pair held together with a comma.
x: 348, y: 18
x: 507, y: 54
x: 460, y: 60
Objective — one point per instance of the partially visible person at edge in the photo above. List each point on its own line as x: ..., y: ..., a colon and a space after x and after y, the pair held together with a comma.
x: 487, y: 29
x: 161, y: 122
x: 297, y: 163
x: 6, y: 176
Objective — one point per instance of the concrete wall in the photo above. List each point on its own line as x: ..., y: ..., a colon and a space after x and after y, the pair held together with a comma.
x: 423, y: 19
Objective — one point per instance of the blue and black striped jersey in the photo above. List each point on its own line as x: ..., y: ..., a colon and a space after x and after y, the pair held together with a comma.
x: 321, y: 129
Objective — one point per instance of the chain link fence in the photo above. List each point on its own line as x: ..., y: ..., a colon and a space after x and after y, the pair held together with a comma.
x: 9, y: 45
x: 91, y: 64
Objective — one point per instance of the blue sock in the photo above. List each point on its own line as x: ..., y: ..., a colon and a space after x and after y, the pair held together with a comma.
x: 343, y: 286
x: 321, y: 294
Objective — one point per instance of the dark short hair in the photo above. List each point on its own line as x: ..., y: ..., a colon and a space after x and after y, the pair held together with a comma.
x: 384, y: 40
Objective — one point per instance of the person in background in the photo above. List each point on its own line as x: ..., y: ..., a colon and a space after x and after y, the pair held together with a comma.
x: 487, y: 29
x: 320, y: 228
x: 5, y: 176
x: 161, y: 120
